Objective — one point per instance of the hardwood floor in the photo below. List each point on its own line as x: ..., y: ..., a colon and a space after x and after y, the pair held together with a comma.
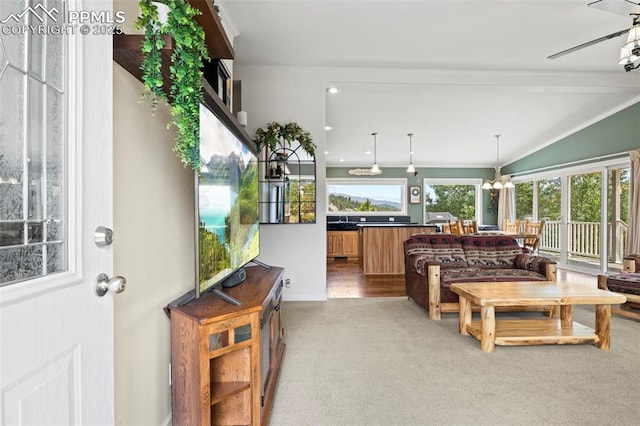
x: 346, y: 280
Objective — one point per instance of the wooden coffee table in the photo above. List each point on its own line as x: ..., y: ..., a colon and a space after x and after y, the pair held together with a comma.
x: 537, y: 330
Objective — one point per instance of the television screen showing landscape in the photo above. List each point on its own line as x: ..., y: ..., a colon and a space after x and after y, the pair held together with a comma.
x: 227, y: 202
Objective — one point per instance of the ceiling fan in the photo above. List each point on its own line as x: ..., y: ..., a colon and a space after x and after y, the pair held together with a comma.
x: 631, y: 51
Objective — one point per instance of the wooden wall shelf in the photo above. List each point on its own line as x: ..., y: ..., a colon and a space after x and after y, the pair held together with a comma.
x: 214, y: 36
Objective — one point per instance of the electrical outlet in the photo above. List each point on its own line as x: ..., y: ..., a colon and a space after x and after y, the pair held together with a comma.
x: 392, y: 219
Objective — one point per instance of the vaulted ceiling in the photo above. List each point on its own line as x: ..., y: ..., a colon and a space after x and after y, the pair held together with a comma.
x: 454, y: 73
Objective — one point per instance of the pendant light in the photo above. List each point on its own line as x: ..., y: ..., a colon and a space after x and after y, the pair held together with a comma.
x: 411, y: 168
x: 375, y: 169
x: 495, y: 183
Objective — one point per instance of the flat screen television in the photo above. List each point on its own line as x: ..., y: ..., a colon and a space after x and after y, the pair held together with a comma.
x: 228, y: 235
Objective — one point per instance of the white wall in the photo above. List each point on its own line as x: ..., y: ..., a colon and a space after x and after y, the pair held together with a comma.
x: 286, y: 94
x: 153, y: 248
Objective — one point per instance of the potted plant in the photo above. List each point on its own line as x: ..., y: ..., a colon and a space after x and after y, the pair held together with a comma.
x: 275, y: 135
x: 185, y: 71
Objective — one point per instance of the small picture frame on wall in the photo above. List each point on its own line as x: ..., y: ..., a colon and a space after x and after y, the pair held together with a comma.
x: 414, y: 195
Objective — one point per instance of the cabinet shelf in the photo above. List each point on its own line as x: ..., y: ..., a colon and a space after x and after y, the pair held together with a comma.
x: 224, y: 390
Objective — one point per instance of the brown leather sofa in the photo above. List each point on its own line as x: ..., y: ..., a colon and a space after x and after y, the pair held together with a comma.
x: 435, y: 261
x: 626, y: 283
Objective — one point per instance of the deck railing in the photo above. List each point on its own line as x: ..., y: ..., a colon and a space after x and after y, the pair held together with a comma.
x: 584, y: 239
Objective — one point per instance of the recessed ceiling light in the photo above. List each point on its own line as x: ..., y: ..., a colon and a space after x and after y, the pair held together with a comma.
x: 327, y: 128
x: 326, y: 153
x: 367, y: 153
x: 341, y: 160
x: 333, y: 90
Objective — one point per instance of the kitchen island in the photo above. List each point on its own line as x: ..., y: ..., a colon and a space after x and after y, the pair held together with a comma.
x: 381, y: 246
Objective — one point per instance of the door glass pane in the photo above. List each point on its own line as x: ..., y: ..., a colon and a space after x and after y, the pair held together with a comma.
x: 549, y: 208
x: 33, y: 193
x: 584, y: 219
x: 524, y: 200
x: 618, y: 215
x: 12, y: 136
x: 14, y: 44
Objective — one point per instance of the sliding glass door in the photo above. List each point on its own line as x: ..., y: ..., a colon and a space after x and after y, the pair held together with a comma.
x: 586, y: 214
x: 584, y: 222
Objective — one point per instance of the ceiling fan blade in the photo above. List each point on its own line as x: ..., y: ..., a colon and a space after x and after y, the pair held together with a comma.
x: 587, y: 44
x: 619, y: 7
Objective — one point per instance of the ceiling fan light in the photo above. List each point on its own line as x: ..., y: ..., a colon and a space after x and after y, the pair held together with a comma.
x: 634, y: 35
x: 626, y: 56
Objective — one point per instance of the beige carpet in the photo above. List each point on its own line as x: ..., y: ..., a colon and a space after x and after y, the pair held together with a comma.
x: 381, y: 361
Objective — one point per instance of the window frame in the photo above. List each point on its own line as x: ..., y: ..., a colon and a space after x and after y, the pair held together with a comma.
x: 402, y: 182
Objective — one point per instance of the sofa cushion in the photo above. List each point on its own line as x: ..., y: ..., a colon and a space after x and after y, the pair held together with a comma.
x: 467, y: 275
x: 490, y: 251
x: 626, y: 282
x: 443, y: 248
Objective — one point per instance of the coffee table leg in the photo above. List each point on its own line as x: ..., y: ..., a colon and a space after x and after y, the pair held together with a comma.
x: 488, y: 322
x: 465, y: 315
x: 566, y: 314
x: 603, y: 326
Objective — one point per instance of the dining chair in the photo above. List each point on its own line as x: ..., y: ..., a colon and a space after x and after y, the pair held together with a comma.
x: 510, y: 227
x: 533, y: 231
x: 456, y: 227
x: 469, y: 227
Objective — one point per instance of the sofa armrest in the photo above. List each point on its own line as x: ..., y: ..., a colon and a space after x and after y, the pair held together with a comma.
x: 540, y: 264
x: 420, y: 263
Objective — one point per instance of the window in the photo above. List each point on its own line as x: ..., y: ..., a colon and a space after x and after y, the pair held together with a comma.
x: 460, y: 197
x: 369, y: 196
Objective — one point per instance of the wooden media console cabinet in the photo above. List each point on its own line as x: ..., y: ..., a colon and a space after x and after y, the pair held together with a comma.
x: 226, y: 359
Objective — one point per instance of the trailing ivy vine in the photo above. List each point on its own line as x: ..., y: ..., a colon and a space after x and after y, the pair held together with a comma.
x: 151, y: 53
x: 185, y: 71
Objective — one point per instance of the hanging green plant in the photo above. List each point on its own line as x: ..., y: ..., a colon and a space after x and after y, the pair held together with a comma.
x: 151, y: 53
x: 186, y: 79
x: 275, y: 135
x: 185, y: 71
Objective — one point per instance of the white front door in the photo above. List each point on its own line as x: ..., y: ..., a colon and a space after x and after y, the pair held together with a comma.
x: 56, y: 334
